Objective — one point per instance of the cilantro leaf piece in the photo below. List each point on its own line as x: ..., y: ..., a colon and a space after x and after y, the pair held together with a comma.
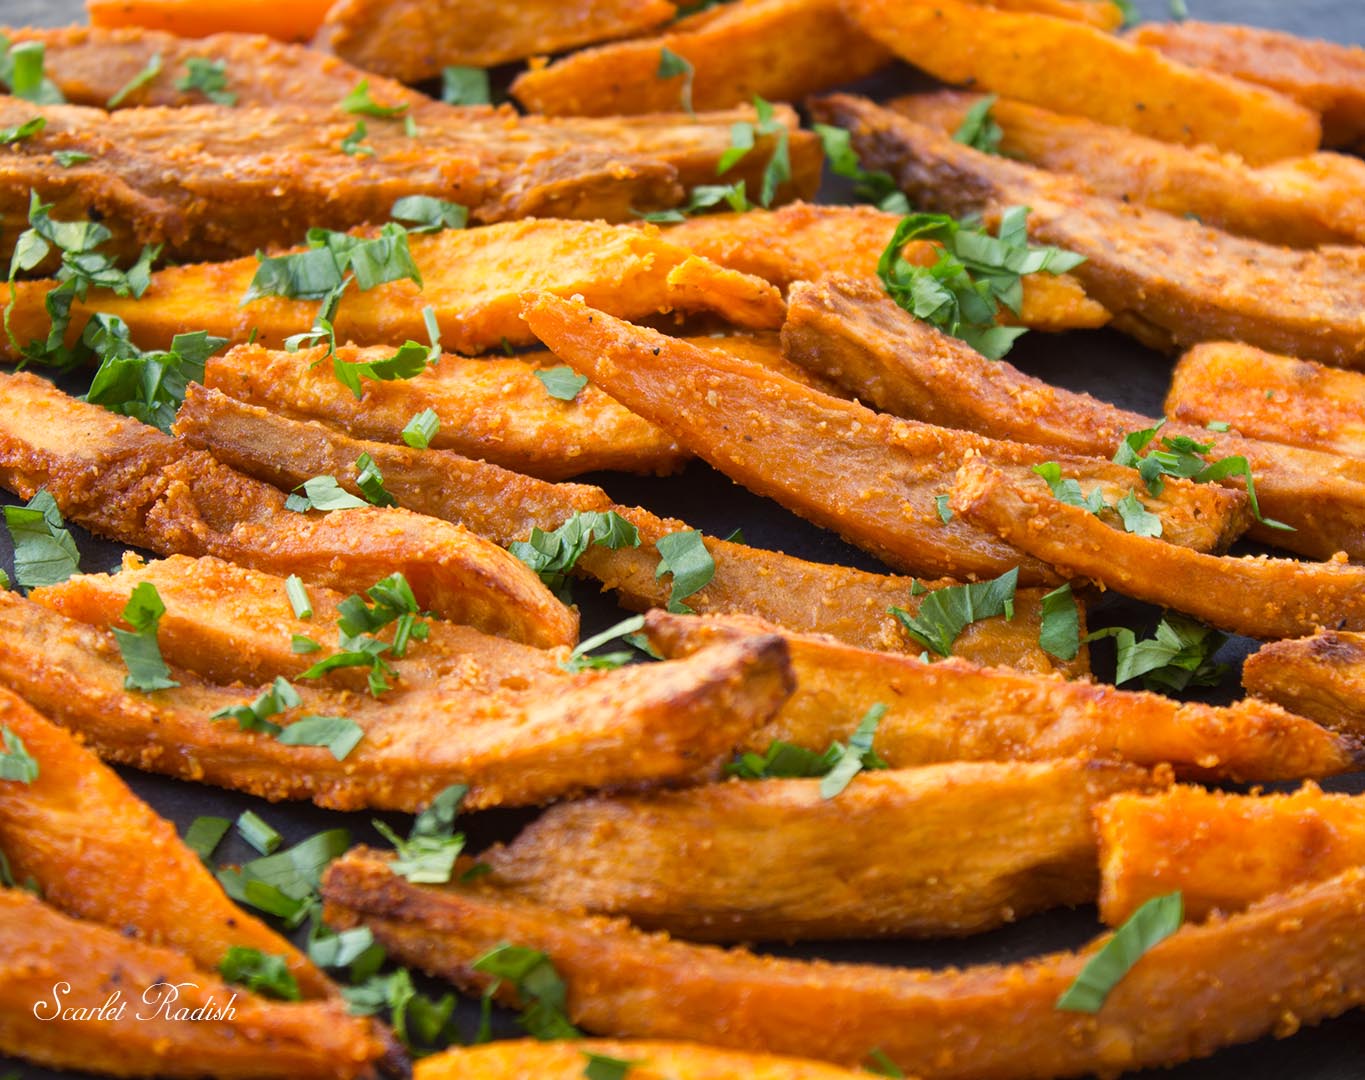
x: 945, y: 512
x: 465, y: 86
x: 414, y: 1017
x: 324, y: 493
x: 207, y: 77
x: 1218, y: 425
x: 671, y: 65
x: 562, y: 382
x: 421, y: 429
x: 428, y: 855
x: 876, y: 187
x: 538, y: 986
x: 602, y: 1067
x: 1147, y: 927
x: 579, y: 660
x: 1069, y: 490
x: 1178, y: 655
x: 880, y: 1064
x: 260, y: 972
x: 19, y: 132
x: 360, y: 102
x: 684, y: 555
x: 353, y: 145
x: 286, y: 883
x: 856, y: 756
x: 703, y: 197
x: 279, y: 698
x: 945, y: 613
x: 149, y: 71
x: 744, y: 137
x: 784, y: 760
x: 16, y: 763
x: 371, y: 482
x: 429, y: 214
x: 333, y: 949
x: 979, y: 129
x: 68, y: 158
x: 301, y: 644
x: 22, y: 72
x: 297, y: 593
x: 44, y: 552
x: 337, y: 733
x: 257, y: 832
x: 1137, y: 519
x: 408, y: 362
x: 147, y: 671
x: 1059, y: 633
x: 148, y: 386
x: 553, y: 555
x: 205, y: 834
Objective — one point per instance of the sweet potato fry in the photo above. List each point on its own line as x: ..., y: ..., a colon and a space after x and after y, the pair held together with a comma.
x: 124, y: 479
x: 1298, y: 202
x: 1322, y: 676
x: 954, y: 710
x: 1256, y: 596
x: 638, y: 725
x: 870, y: 477
x: 1265, y: 396
x: 733, y: 51
x: 514, y: 1059
x: 50, y: 963
x: 296, y: 21
x: 1169, y: 281
x: 992, y: 1022
x: 1324, y: 77
x: 805, y: 242
x: 1077, y: 69
x: 80, y: 835
x: 853, y: 333
x: 413, y: 40
x: 503, y: 506
x: 472, y: 278
x: 1222, y: 851
x: 772, y: 860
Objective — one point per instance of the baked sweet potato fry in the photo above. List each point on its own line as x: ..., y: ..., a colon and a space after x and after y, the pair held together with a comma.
x: 413, y: 40
x: 803, y: 242
x: 945, y: 849
x: 50, y: 964
x: 992, y: 1022
x: 472, y: 280
x: 954, y: 710
x: 781, y: 50
x: 851, y: 332
x: 126, y: 480
x: 853, y: 605
x: 1320, y: 75
x: 1169, y: 281
x: 1256, y: 595
x: 295, y: 21
x: 1322, y: 676
x: 870, y: 477
x: 1278, y: 398
x: 1298, y: 202
x: 638, y: 725
x: 1080, y: 70
x: 80, y: 836
x: 1222, y: 851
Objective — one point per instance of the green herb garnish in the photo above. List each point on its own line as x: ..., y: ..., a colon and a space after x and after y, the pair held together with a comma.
x: 256, y: 832
x: 297, y: 593
x: 149, y: 71
x: 205, y: 834
x: 421, y: 429
x: 1178, y: 655
x: 1147, y: 927
x: 44, y: 552
x: 562, y: 383
x: 553, y: 555
x: 945, y: 613
x: 147, y: 671
x: 465, y: 86
x: 19, y: 132
x: 338, y: 734
x: 360, y: 102
x: 538, y: 985
x: 1059, y: 633
x: 207, y: 77
x: 22, y: 74
x: 671, y: 65
x: 260, y: 972
x: 427, y: 856
x: 371, y: 482
x: 876, y: 187
x: 16, y: 763
x: 684, y: 555
x: 979, y: 129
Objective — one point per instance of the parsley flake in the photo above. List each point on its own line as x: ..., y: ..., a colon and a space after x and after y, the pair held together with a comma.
x: 353, y: 145
x: 427, y: 856
x: 538, y: 986
x: 465, y: 86
x: 837, y: 765
x: 279, y: 698
x: 979, y: 129
x: 429, y: 214
x: 337, y: 733
x: 684, y: 555
x: 744, y: 137
x: 602, y: 1067
x: 285, y: 884
x: 207, y: 77
x: 360, y: 102
x: 16, y: 763
x: 324, y: 493
x: 67, y: 158
x: 205, y: 834
x: 19, y: 132
x: 148, y: 386
x: 703, y: 197
x: 1059, y: 632
x: 260, y: 972
x: 945, y: 613
x: 149, y: 71
x: 371, y: 482
x: 1146, y: 928
x: 44, y: 552
x: 1178, y: 655
x: 671, y: 65
x: 554, y: 554
x: 562, y: 383
x: 580, y: 660
x: 141, y: 653
x: 876, y: 187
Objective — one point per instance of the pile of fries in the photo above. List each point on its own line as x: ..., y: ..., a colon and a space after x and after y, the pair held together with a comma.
x: 344, y: 354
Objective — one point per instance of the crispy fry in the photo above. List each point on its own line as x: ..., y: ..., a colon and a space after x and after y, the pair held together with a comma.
x: 732, y: 52
x: 1080, y: 70
x: 472, y: 281
x: 1271, y: 397
x: 1256, y: 596
x: 50, y: 963
x: 954, y: 710
x: 991, y: 1022
x: 1098, y: 13
x: 124, y: 479
x: 1299, y: 202
x: 1169, y: 281
x: 80, y: 835
x: 413, y: 40
x: 1324, y: 77
x: 502, y: 506
x: 870, y: 477
x: 512, y: 747
x: 1222, y: 851
x: 772, y: 860
x: 851, y: 332
x: 804, y: 242
x: 295, y: 21
x: 1322, y: 676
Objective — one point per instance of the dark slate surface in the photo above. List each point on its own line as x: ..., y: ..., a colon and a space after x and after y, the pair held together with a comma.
x: 1103, y: 363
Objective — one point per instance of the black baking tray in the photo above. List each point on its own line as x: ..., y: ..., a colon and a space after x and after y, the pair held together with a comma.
x: 1103, y: 363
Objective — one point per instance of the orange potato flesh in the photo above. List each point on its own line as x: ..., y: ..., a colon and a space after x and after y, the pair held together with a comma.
x: 1223, y: 852
x: 954, y: 710
x: 297, y: 20
x: 991, y: 1022
x: 853, y: 605
x: 41, y: 949
x: 781, y: 50
x: 1322, y: 676
x: 81, y: 836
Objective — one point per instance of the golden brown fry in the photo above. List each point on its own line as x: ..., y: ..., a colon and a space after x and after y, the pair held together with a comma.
x: 639, y: 725
x: 124, y: 479
x: 992, y: 1022
x: 1222, y: 851
x: 805, y: 242
x: 1081, y: 70
x: 1265, y: 396
x: 872, y: 478
x: 473, y: 280
x: 954, y: 710
x: 1169, y: 281
x: 80, y: 836
x: 1322, y: 676
x: 733, y: 50
x: 1324, y: 77
x: 945, y: 849
x: 853, y: 605
x: 1299, y: 202
x: 1256, y: 596
x: 852, y: 332
x: 50, y: 963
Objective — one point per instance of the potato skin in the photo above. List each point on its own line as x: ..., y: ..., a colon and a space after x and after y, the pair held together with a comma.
x: 1322, y: 676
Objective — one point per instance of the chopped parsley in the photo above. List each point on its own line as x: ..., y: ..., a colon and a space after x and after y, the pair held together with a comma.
x: 337, y: 733
x: 44, y: 552
x: 602, y: 1067
x: 205, y: 834
x: 945, y: 512
x: 148, y: 386
x: 328, y: 948
x: 945, y: 613
x: 856, y: 756
x: 1179, y: 12
x: 360, y: 102
x: 1178, y: 655
x: 371, y: 482
x: 1147, y: 927
x: 408, y: 362
x: 836, y: 766
x: 257, y: 832
x: 22, y: 74
x: 465, y: 86
x: 260, y: 972
x: 280, y: 697
x: 353, y: 145
x: 703, y: 197
x: 429, y: 214
x: 1059, y: 633
x: 744, y: 136
x: 141, y: 653
x: 285, y: 884
x: 553, y: 555
x: 671, y: 65
x: 427, y: 856
x: 323, y: 493
x: 68, y: 158
x: 580, y: 660
x: 538, y: 986
x: 149, y: 71
x: 416, y: 1019
x: 979, y: 129
x: 876, y: 187
x: 880, y: 1064
x: 391, y: 603
x: 1136, y: 518
x: 16, y: 763
x: 684, y: 555
x: 562, y: 383
x: 207, y: 77
x: 19, y: 132
x: 1221, y: 426
x: 421, y: 429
